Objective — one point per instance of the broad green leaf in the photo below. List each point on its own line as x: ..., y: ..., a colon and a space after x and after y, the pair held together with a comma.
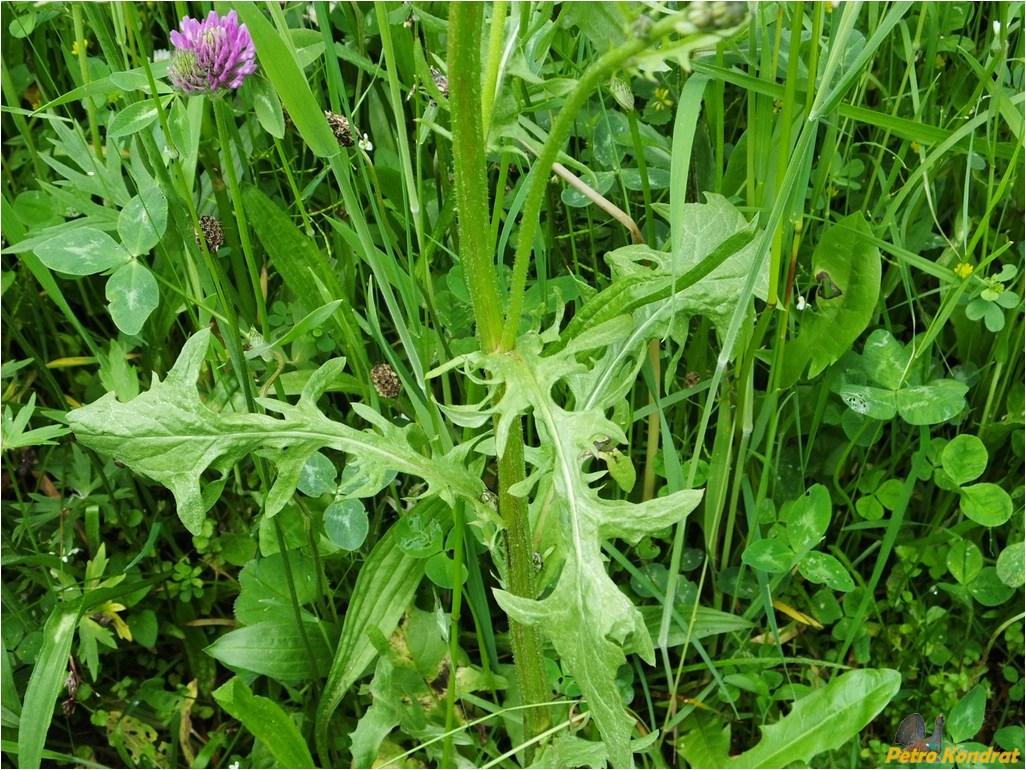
x: 274, y: 648
x: 441, y: 570
x: 966, y: 718
x: 964, y: 458
x: 407, y: 692
x: 266, y: 721
x: 869, y: 508
x: 1010, y: 565
x: 36, y: 210
x: 868, y: 401
x: 708, y: 744
x: 964, y: 560
x: 132, y: 294
x: 988, y: 589
x: 318, y: 476
x: 265, y: 593
x: 143, y: 221
x: 820, y: 567
x: 419, y: 535
x: 82, y: 251
x: 824, y: 720
x: 346, y: 524
x: 293, y: 254
x: 600, y: 183
x: 136, y: 80
x: 769, y: 555
x: 621, y: 469
x: 183, y: 131
x: 46, y: 682
x: 827, y: 608
x: 930, y: 404
x: 385, y: 586
x: 844, y: 258
x: 133, y: 119
x: 171, y: 436
x: 889, y: 493
x: 267, y: 107
x: 986, y: 504
x: 807, y: 518
x: 639, y: 287
x: 377, y: 721
x: 885, y: 359
x: 1011, y: 738
x: 705, y: 227
x: 569, y: 750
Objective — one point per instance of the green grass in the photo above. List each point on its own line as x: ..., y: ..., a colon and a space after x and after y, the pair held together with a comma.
x: 712, y: 456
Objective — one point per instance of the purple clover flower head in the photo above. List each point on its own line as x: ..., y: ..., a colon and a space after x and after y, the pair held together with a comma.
x: 211, y: 56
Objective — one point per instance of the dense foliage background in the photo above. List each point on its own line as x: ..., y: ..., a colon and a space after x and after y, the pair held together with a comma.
x: 779, y: 259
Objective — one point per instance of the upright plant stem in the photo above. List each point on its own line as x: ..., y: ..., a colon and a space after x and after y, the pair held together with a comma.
x: 465, y: 25
x: 599, y: 71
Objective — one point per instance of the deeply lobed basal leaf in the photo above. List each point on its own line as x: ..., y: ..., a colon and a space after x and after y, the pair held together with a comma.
x: 171, y: 436
x: 589, y: 621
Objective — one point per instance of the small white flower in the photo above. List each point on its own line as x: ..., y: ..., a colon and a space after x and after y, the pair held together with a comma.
x: 161, y: 54
x: 365, y: 143
x: 234, y: 765
x: 800, y: 304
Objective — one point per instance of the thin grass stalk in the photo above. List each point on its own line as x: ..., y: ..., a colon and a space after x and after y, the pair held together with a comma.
x: 83, y: 66
x: 221, y: 118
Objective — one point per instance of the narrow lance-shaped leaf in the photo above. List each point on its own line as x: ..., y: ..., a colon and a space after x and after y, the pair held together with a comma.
x: 45, y: 684
x: 823, y: 720
x: 267, y: 721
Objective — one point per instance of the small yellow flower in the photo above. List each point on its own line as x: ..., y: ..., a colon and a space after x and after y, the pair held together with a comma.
x: 963, y: 270
x: 662, y: 99
x: 75, y: 48
x: 110, y: 610
x: 914, y: 147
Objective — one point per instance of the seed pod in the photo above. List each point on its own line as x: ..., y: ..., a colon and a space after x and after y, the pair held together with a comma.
x: 621, y: 91
x: 213, y: 233
x: 340, y: 127
x: 385, y: 380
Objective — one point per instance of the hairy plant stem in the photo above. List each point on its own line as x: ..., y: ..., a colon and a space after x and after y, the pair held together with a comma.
x: 464, y: 61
